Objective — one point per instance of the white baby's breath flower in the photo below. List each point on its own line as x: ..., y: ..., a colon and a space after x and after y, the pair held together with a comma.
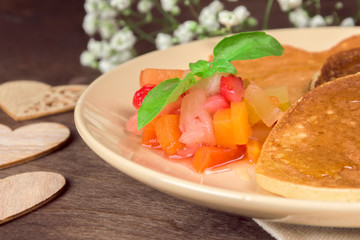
x: 185, y: 32
x: 90, y: 23
x: 105, y: 10
x: 100, y: 49
x: 227, y: 18
x: 299, y: 18
x: 122, y: 57
x: 216, y: 6
x: 91, y: 6
x: 144, y: 6
x: 163, y: 41
x: 106, y: 49
x: 107, y: 28
x: 241, y: 13
x: 191, y: 25
x: 108, y: 13
x: 107, y: 64
x: 123, y: 40
x: 95, y: 47
x: 208, y: 19
x: 88, y: 59
x: 120, y: 4
x: 168, y: 5
x: 348, y: 22
x: 317, y: 21
x: 287, y: 5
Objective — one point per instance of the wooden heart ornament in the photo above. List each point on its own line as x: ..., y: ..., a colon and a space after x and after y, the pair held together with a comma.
x: 30, y: 141
x: 24, y: 100
x: 19, y: 194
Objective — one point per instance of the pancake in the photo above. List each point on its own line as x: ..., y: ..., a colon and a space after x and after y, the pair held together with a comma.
x: 339, y: 65
x: 294, y: 69
x: 313, y: 152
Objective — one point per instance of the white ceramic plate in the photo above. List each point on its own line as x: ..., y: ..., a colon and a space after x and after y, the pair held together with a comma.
x: 104, y: 108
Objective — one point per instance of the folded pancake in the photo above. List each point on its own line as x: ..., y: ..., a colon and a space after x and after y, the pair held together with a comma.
x: 338, y: 65
x: 293, y: 69
x: 313, y: 152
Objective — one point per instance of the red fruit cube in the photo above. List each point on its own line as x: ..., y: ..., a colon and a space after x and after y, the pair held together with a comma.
x: 140, y: 95
x: 232, y: 88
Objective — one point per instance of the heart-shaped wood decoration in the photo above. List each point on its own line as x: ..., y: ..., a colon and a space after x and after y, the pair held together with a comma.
x: 30, y: 141
x: 24, y: 100
x: 22, y: 193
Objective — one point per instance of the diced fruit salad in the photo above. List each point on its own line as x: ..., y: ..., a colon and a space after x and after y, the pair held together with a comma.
x: 208, y: 113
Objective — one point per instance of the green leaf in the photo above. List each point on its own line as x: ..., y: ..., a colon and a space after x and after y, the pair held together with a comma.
x: 220, y: 65
x: 199, y: 68
x: 247, y: 45
x: 160, y: 96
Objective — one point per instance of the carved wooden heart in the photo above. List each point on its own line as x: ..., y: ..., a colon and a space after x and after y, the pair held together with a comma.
x: 19, y: 194
x: 29, y: 142
x: 24, y: 100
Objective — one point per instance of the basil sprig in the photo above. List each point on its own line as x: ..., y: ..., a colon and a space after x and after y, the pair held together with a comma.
x: 241, y: 46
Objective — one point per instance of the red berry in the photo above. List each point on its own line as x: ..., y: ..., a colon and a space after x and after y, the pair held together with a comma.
x: 140, y: 95
x: 232, y: 88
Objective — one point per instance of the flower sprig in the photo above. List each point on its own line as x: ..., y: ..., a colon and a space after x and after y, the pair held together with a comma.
x: 118, y: 27
x: 307, y: 13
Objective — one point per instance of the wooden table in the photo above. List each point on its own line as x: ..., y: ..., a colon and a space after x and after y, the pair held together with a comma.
x: 42, y: 40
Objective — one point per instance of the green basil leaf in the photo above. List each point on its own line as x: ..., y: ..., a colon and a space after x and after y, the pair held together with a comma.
x: 220, y: 65
x: 247, y: 45
x: 199, y: 68
x: 160, y: 96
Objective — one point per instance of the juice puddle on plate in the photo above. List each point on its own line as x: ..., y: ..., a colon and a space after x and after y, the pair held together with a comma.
x: 237, y: 175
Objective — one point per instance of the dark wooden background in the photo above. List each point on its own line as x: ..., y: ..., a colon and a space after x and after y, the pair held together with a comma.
x: 42, y: 40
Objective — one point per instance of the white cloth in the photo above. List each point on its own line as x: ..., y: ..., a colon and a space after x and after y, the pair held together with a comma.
x: 284, y: 231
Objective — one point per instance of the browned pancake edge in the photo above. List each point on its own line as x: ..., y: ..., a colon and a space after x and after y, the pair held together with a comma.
x: 313, y: 152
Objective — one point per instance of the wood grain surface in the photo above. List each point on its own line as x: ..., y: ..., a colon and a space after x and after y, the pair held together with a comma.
x: 42, y: 40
